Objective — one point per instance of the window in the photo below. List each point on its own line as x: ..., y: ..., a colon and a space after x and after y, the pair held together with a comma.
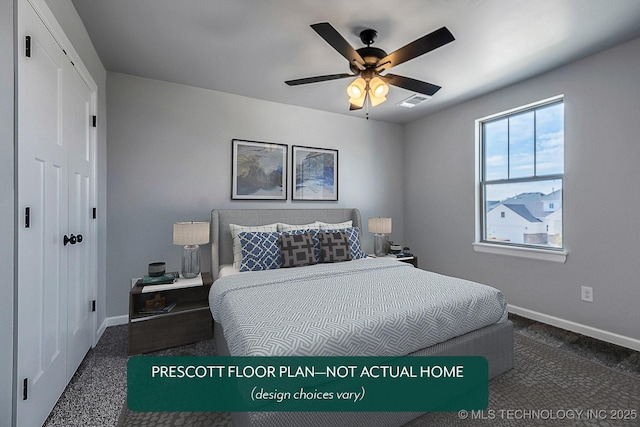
x: 521, y: 172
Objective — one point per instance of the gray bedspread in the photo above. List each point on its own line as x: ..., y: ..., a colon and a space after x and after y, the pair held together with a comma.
x: 363, y: 307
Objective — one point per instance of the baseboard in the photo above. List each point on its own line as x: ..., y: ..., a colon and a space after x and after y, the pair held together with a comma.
x: 100, y: 331
x: 579, y: 328
x: 110, y: 321
x: 117, y: 320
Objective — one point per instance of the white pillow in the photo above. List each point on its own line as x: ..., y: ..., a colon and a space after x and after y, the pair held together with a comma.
x: 227, y: 270
x: 336, y: 226
x: 237, y: 229
x: 291, y: 227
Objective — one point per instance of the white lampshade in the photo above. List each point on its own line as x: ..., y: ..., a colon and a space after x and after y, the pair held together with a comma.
x: 190, y: 233
x: 379, y: 225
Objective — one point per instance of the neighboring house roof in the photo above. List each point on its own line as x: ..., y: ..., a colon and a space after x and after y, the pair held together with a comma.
x: 529, y: 206
x: 492, y: 204
x: 522, y: 211
x: 556, y: 195
x: 523, y: 199
x: 534, y: 202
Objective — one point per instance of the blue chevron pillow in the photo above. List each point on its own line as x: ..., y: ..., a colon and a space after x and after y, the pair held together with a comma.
x: 353, y: 236
x: 260, y: 250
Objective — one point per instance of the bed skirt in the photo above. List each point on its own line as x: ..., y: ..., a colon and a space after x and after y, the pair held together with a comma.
x: 494, y: 342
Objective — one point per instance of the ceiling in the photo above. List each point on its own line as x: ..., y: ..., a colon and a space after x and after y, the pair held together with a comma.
x: 249, y: 47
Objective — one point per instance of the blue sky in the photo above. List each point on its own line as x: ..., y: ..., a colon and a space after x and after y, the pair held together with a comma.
x: 513, y: 145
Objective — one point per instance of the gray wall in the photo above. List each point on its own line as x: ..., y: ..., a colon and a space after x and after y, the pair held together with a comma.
x: 169, y: 156
x: 601, y: 205
x: 7, y: 223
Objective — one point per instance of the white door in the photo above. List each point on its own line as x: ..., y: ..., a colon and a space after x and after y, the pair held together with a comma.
x: 55, y: 279
x: 76, y: 133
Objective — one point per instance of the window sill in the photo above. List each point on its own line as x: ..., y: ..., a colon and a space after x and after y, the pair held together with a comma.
x: 516, y: 251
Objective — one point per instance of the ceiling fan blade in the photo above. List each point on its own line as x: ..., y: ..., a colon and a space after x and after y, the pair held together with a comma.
x: 416, y: 48
x: 317, y: 79
x: 333, y: 37
x: 353, y: 107
x: 411, y: 84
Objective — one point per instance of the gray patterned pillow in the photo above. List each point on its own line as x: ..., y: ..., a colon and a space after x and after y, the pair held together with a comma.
x: 334, y: 247
x: 297, y: 250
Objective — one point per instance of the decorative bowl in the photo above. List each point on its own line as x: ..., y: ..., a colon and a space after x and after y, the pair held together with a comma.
x: 156, y: 269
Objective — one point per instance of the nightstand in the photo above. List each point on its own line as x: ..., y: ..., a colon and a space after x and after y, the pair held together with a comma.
x: 189, y: 321
x: 413, y: 260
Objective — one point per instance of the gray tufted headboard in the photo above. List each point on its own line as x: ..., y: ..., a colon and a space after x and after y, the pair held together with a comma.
x: 222, y: 246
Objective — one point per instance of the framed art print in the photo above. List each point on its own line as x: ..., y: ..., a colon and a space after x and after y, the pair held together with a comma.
x: 258, y: 170
x: 314, y: 173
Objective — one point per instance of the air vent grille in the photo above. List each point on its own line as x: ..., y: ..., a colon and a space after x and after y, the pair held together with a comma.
x: 414, y: 100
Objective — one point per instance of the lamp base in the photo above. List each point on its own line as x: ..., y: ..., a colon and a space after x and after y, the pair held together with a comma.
x: 190, y: 261
x: 380, y: 244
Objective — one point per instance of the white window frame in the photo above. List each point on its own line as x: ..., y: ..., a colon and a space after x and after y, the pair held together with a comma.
x: 555, y: 255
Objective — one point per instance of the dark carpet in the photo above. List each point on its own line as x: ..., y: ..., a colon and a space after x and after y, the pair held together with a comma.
x: 548, y: 386
x: 560, y: 379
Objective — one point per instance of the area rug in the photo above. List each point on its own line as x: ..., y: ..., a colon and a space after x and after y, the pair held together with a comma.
x: 547, y: 387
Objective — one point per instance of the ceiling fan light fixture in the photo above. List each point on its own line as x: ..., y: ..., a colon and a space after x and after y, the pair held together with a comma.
x: 358, y: 102
x: 376, y: 100
x: 357, y: 88
x: 378, y: 91
x: 378, y: 87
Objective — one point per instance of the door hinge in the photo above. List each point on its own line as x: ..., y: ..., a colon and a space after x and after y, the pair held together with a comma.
x: 93, y: 305
x: 94, y: 213
x: 27, y: 217
x: 25, y: 389
x: 94, y: 121
x: 27, y: 46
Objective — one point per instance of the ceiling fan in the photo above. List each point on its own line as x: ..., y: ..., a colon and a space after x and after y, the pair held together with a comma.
x: 367, y: 64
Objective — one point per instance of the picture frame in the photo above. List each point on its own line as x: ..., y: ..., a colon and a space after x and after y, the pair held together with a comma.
x: 314, y: 173
x: 258, y: 170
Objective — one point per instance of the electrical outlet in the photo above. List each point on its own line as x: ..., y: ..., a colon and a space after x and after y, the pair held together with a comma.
x: 587, y: 293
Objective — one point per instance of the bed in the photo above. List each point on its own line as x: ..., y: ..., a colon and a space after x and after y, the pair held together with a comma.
x: 386, y: 290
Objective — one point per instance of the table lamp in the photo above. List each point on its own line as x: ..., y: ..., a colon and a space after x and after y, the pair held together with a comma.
x: 190, y: 235
x: 380, y: 227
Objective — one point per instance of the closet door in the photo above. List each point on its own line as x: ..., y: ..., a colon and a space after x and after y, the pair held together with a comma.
x: 76, y: 133
x: 43, y: 200
x: 56, y: 232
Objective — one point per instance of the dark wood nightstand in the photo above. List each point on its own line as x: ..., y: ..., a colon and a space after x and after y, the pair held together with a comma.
x: 189, y: 321
x: 413, y: 260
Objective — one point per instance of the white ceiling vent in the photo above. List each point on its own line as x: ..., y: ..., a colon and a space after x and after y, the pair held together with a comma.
x: 414, y: 100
